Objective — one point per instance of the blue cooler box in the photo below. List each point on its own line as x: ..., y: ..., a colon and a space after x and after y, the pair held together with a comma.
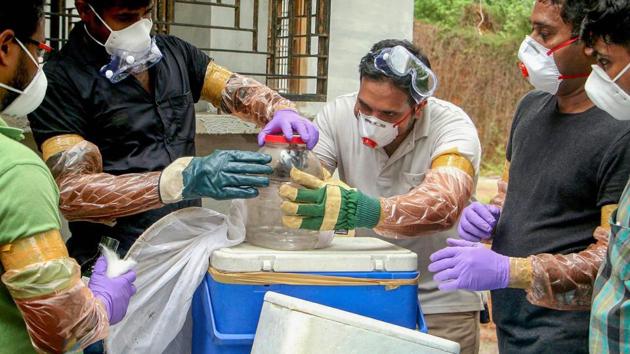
x: 227, y: 304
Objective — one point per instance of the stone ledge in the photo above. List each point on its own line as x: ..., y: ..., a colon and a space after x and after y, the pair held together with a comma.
x: 210, y: 124
x: 21, y: 123
x: 214, y: 124
x: 207, y: 123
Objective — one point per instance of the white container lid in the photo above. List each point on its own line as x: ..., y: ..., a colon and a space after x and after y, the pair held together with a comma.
x: 289, y: 325
x: 346, y: 254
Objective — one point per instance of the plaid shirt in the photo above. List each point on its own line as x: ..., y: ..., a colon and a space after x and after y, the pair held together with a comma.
x: 610, y: 314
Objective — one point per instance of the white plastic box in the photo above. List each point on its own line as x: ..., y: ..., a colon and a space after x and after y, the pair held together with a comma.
x: 346, y: 254
x: 292, y: 326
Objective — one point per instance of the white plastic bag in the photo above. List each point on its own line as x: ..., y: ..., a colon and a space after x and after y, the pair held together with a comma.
x: 173, y: 257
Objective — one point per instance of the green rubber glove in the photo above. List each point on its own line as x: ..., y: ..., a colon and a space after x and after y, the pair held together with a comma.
x: 326, y: 205
x: 226, y: 175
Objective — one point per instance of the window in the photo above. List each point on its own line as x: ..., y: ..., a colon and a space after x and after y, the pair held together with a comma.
x: 292, y: 60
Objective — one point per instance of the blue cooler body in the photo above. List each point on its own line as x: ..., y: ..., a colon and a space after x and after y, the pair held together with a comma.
x: 226, y: 311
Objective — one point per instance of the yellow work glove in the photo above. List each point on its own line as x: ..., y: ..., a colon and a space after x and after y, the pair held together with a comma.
x: 326, y: 204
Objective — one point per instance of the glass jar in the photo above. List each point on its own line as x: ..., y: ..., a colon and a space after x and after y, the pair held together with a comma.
x: 264, y: 217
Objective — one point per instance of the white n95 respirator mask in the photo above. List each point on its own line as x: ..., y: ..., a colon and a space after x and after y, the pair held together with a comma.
x: 30, y: 97
x: 132, y: 49
x: 607, y: 94
x: 539, y: 66
x: 135, y: 38
x: 377, y: 133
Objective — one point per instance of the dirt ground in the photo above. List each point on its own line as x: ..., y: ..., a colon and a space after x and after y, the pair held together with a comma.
x: 488, y: 339
x: 486, y: 188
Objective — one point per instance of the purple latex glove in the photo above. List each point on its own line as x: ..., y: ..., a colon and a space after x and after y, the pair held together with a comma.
x: 478, y: 221
x: 113, y: 292
x: 469, y: 266
x: 288, y: 121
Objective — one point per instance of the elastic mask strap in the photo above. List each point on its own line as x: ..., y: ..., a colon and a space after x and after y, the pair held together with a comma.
x: 625, y: 70
x: 403, y: 119
x: 32, y: 59
x: 28, y: 53
x: 90, y: 35
x: 577, y: 76
x: 102, y: 21
x: 562, y: 45
x: 11, y: 88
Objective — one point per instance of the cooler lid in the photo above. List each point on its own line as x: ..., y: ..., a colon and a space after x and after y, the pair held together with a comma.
x: 346, y: 254
x: 346, y: 324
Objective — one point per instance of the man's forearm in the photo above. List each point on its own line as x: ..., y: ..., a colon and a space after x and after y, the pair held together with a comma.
x: 88, y: 194
x: 241, y: 96
x: 434, y: 205
x: 60, y: 312
x: 561, y: 282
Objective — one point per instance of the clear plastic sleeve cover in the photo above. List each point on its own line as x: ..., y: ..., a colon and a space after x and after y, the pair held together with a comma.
x: 60, y: 312
x: 252, y: 101
x: 89, y: 194
x: 434, y: 205
x: 565, y: 282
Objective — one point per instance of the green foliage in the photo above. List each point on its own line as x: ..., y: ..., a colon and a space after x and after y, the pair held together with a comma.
x: 458, y: 50
x: 493, y: 161
x: 509, y: 18
x: 513, y: 15
x: 442, y: 12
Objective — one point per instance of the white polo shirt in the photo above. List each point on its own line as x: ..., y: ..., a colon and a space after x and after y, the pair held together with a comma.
x: 443, y: 128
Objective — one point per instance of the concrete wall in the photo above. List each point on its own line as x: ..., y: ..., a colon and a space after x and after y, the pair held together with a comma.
x: 355, y: 26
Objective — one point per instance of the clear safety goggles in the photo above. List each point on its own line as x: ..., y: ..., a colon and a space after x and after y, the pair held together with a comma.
x: 398, y: 61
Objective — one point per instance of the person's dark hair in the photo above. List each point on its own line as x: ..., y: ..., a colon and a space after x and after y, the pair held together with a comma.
x: 21, y: 16
x: 369, y: 71
x: 572, y: 12
x: 100, y: 5
x: 608, y: 20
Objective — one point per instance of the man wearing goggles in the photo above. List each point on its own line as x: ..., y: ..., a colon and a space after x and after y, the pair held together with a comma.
x: 399, y: 62
x: 413, y: 160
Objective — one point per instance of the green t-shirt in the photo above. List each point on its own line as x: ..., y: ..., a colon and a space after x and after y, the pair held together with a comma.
x: 29, y: 201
